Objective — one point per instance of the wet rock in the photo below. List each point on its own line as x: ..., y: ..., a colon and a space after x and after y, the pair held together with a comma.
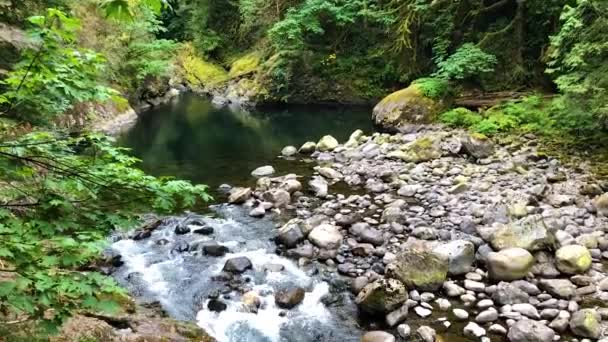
x: 258, y: 211
x: 251, y: 301
x: 206, y: 230
x: 573, y: 259
x: 263, y: 171
x: 238, y: 265
x: 289, y: 298
x: 460, y: 255
x: 509, y: 264
x: 489, y: 315
x: 289, y: 151
x: 239, y: 195
x: 426, y: 333
x: 460, y: 314
x: 215, y: 250
x: 529, y: 233
x: 530, y: 331
x: 216, y: 305
x: 291, y: 234
x: 419, y: 269
x: 308, y: 147
x: 319, y: 186
x: 382, y: 296
x: 586, y: 323
x: 180, y: 247
x: 326, y: 236
x: 278, y: 197
x: 373, y: 236
x: 291, y: 185
x: 377, y: 336
x: 327, y: 143
x: 358, y: 284
x: 404, y: 330
x: 562, y: 288
x: 478, y: 146
x: 397, y: 316
x: 182, y: 229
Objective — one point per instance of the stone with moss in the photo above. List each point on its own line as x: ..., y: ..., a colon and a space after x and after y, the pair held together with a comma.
x: 586, y: 323
x: 478, y: 145
x: 199, y: 73
x: 406, y: 106
x: 419, y: 269
x: 327, y: 143
x: 573, y: 259
x: 420, y: 150
x: 382, y: 296
x: 529, y: 233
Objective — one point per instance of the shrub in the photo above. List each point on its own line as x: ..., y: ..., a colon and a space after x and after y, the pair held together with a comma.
x: 434, y: 88
x: 460, y: 117
x: 467, y: 62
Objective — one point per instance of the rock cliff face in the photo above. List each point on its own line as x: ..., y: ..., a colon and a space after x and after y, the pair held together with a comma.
x: 12, y: 41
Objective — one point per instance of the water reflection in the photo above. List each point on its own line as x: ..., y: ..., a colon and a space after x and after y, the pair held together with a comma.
x: 193, y: 139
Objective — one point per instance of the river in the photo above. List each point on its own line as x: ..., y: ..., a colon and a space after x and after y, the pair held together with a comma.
x: 193, y: 139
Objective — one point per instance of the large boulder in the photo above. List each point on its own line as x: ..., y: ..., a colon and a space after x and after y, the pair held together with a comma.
x: 382, y: 296
x: 419, y: 269
x: 326, y: 236
x: 509, y: 264
x: 573, y: 259
x: 527, y: 330
x: 422, y: 149
x: 406, y: 106
x: 460, y: 255
x: 529, y: 233
x: 586, y: 323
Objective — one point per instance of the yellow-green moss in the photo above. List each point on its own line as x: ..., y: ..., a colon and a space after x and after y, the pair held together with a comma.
x: 198, y: 72
x: 244, y: 65
x: 406, y: 106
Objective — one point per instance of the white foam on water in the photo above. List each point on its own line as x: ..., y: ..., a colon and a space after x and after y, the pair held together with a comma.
x: 267, y: 321
x: 134, y: 257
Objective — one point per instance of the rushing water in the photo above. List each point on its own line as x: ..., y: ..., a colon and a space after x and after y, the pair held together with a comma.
x: 192, y: 138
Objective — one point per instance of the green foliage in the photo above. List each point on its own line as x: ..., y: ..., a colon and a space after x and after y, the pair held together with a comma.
x: 55, y: 74
x: 432, y: 87
x: 460, y: 117
x: 467, y: 62
x: 60, y: 198
x: 124, y: 9
x: 578, y: 55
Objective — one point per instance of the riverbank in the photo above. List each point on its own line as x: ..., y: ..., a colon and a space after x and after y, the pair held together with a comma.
x: 440, y: 234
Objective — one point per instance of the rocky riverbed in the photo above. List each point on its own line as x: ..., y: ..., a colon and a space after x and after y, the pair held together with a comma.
x: 436, y: 235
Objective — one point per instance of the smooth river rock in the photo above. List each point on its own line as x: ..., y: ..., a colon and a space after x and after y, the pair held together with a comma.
x: 509, y: 264
x: 326, y: 236
x: 573, y: 259
x: 527, y: 330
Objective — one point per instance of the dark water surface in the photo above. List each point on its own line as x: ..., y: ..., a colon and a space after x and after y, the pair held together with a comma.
x: 192, y: 138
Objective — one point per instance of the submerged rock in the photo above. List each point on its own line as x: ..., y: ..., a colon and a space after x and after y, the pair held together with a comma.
x: 215, y: 250
x: 382, y: 296
x: 419, y: 269
x: 216, y: 305
x: 263, y: 171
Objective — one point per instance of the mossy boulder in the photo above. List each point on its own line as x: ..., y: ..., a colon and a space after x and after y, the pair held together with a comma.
x: 419, y: 269
x: 573, y: 259
x: 529, y: 233
x: 422, y: 149
x: 478, y: 145
x: 586, y: 323
x: 406, y: 106
x: 382, y: 296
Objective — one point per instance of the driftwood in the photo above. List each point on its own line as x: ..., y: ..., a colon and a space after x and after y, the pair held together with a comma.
x: 487, y: 100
